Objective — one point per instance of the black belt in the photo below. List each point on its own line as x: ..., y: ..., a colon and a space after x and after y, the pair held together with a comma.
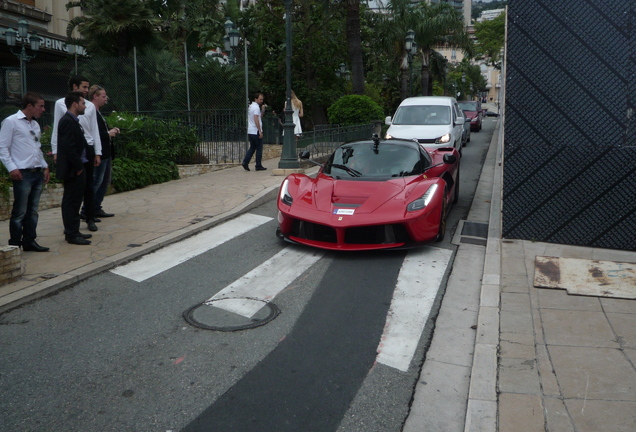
x: 38, y: 169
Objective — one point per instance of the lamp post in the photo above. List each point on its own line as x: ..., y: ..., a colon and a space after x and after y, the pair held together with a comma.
x: 411, y: 49
x: 343, y: 72
x: 288, y: 159
x: 23, y: 56
x: 230, y: 41
x: 445, y: 69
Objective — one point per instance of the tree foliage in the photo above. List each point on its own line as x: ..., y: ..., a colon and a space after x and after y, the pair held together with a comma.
x: 354, y: 110
x: 490, y: 39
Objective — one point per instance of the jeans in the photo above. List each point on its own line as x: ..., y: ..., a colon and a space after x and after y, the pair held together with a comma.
x: 256, y: 145
x: 24, y: 215
x: 101, y: 180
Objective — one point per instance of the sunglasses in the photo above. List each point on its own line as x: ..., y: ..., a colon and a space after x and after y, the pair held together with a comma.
x: 35, y: 137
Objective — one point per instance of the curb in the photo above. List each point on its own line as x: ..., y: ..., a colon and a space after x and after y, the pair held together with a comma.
x: 481, y: 409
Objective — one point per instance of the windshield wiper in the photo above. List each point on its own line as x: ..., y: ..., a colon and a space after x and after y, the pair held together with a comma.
x: 350, y: 171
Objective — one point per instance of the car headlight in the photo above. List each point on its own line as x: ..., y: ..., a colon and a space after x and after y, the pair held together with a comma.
x: 285, y: 197
x: 443, y: 139
x: 422, y: 201
x: 388, y: 136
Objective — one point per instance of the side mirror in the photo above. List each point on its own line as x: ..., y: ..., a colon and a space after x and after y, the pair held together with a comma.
x: 450, y: 159
x: 306, y: 154
x: 460, y: 120
x: 387, y: 120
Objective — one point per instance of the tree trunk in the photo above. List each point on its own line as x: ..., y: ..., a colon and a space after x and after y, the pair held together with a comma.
x: 354, y: 45
x: 426, y: 90
x: 405, y: 72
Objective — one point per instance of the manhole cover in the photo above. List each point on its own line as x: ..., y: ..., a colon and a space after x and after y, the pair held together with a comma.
x: 219, y: 314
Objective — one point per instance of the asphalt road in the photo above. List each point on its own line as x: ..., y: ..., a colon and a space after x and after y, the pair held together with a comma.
x: 114, y: 354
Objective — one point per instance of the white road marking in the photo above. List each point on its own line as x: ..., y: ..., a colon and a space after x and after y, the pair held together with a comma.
x: 266, y: 280
x: 417, y: 285
x: 173, y: 255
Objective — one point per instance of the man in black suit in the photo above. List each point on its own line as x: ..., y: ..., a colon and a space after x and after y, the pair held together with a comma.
x: 71, y: 156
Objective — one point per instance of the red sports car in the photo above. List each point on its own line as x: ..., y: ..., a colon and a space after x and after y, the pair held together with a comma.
x: 371, y: 195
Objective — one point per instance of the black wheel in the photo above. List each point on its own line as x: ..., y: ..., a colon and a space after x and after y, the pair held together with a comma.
x: 456, y: 194
x: 442, y: 224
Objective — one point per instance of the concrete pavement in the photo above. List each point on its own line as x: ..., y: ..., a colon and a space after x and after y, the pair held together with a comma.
x: 505, y: 355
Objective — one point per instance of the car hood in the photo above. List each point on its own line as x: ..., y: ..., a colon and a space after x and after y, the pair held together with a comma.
x: 470, y: 114
x: 419, y: 131
x: 331, y: 195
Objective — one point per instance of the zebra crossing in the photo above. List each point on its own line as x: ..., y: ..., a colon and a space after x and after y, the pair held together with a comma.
x: 416, y: 288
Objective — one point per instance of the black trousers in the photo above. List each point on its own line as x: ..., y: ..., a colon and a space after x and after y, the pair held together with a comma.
x: 71, y: 202
x: 89, y: 193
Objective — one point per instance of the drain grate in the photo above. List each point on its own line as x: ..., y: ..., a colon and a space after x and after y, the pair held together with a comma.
x: 475, y: 229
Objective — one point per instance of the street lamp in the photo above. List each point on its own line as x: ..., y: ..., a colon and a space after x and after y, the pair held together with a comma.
x: 288, y: 159
x: 343, y: 72
x: 23, y: 56
x: 445, y: 70
x: 463, y: 85
x: 230, y: 41
x: 411, y: 49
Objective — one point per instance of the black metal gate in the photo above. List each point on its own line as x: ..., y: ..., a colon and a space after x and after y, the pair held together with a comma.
x: 570, y: 141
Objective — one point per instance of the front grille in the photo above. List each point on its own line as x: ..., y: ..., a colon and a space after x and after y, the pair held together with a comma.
x: 313, y: 231
x: 427, y: 141
x: 377, y: 234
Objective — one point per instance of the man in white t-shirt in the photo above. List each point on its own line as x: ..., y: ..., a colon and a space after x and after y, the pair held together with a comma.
x: 255, y: 134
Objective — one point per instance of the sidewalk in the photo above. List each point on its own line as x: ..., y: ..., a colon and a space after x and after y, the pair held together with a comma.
x: 146, y: 219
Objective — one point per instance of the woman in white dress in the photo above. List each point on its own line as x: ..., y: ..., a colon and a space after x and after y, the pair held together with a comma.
x: 297, y: 107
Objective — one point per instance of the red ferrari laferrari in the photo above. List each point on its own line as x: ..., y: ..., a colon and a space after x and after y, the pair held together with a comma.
x: 371, y: 195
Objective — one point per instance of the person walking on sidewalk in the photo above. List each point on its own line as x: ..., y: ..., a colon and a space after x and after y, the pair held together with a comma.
x: 21, y: 154
x: 102, y: 173
x: 88, y: 120
x: 255, y: 134
x: 71, y: 163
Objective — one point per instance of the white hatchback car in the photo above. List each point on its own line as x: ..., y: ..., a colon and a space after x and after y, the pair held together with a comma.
x: 435, y: 121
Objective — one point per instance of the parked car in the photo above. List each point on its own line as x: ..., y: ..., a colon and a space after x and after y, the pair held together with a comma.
x: 371, y: 195
x: 491, y: 114
x: 472, y: 110
x: 466, y: 138
x: 435, y: 121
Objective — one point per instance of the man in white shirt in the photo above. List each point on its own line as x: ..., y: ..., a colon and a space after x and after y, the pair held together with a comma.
x: 255, y: 134
x: 21, y: 154
x: 88, y: 121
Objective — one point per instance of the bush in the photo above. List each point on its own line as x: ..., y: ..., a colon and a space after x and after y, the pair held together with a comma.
x: 131, y: 174
x: 147, y: 150
x: 354, y: 110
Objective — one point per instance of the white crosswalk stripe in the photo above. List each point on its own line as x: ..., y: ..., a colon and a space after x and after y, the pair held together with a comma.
x: 173, y: 255
x: 417, y: 286
x: 266, y: 281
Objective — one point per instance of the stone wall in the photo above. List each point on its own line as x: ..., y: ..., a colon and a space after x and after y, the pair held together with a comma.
x: 10, y: 264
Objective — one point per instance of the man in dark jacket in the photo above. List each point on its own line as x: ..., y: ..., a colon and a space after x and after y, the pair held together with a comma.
x: 71, y: 156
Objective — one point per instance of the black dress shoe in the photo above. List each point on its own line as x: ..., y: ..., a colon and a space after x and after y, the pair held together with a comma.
x: 84, y: 236
x: 83, y: 217
x: 78, y: 240
x: 245, y: 166
x: 34, y: 247
x: 102, y: 213
x: 90, y: 224
x: 260, y: 168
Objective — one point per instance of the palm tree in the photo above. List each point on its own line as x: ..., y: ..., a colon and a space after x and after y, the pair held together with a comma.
x: 434, y: 25
x: 113, y: 27
x: 354, y: 44
x: 438, y: 25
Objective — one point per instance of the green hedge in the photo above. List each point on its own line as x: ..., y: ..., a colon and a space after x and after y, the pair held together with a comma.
x: 354, y: 110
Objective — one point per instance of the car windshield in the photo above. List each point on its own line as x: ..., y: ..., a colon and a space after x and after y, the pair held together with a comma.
x: 467, y: 106
x: 422, y: 115
x: 362, y: 161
